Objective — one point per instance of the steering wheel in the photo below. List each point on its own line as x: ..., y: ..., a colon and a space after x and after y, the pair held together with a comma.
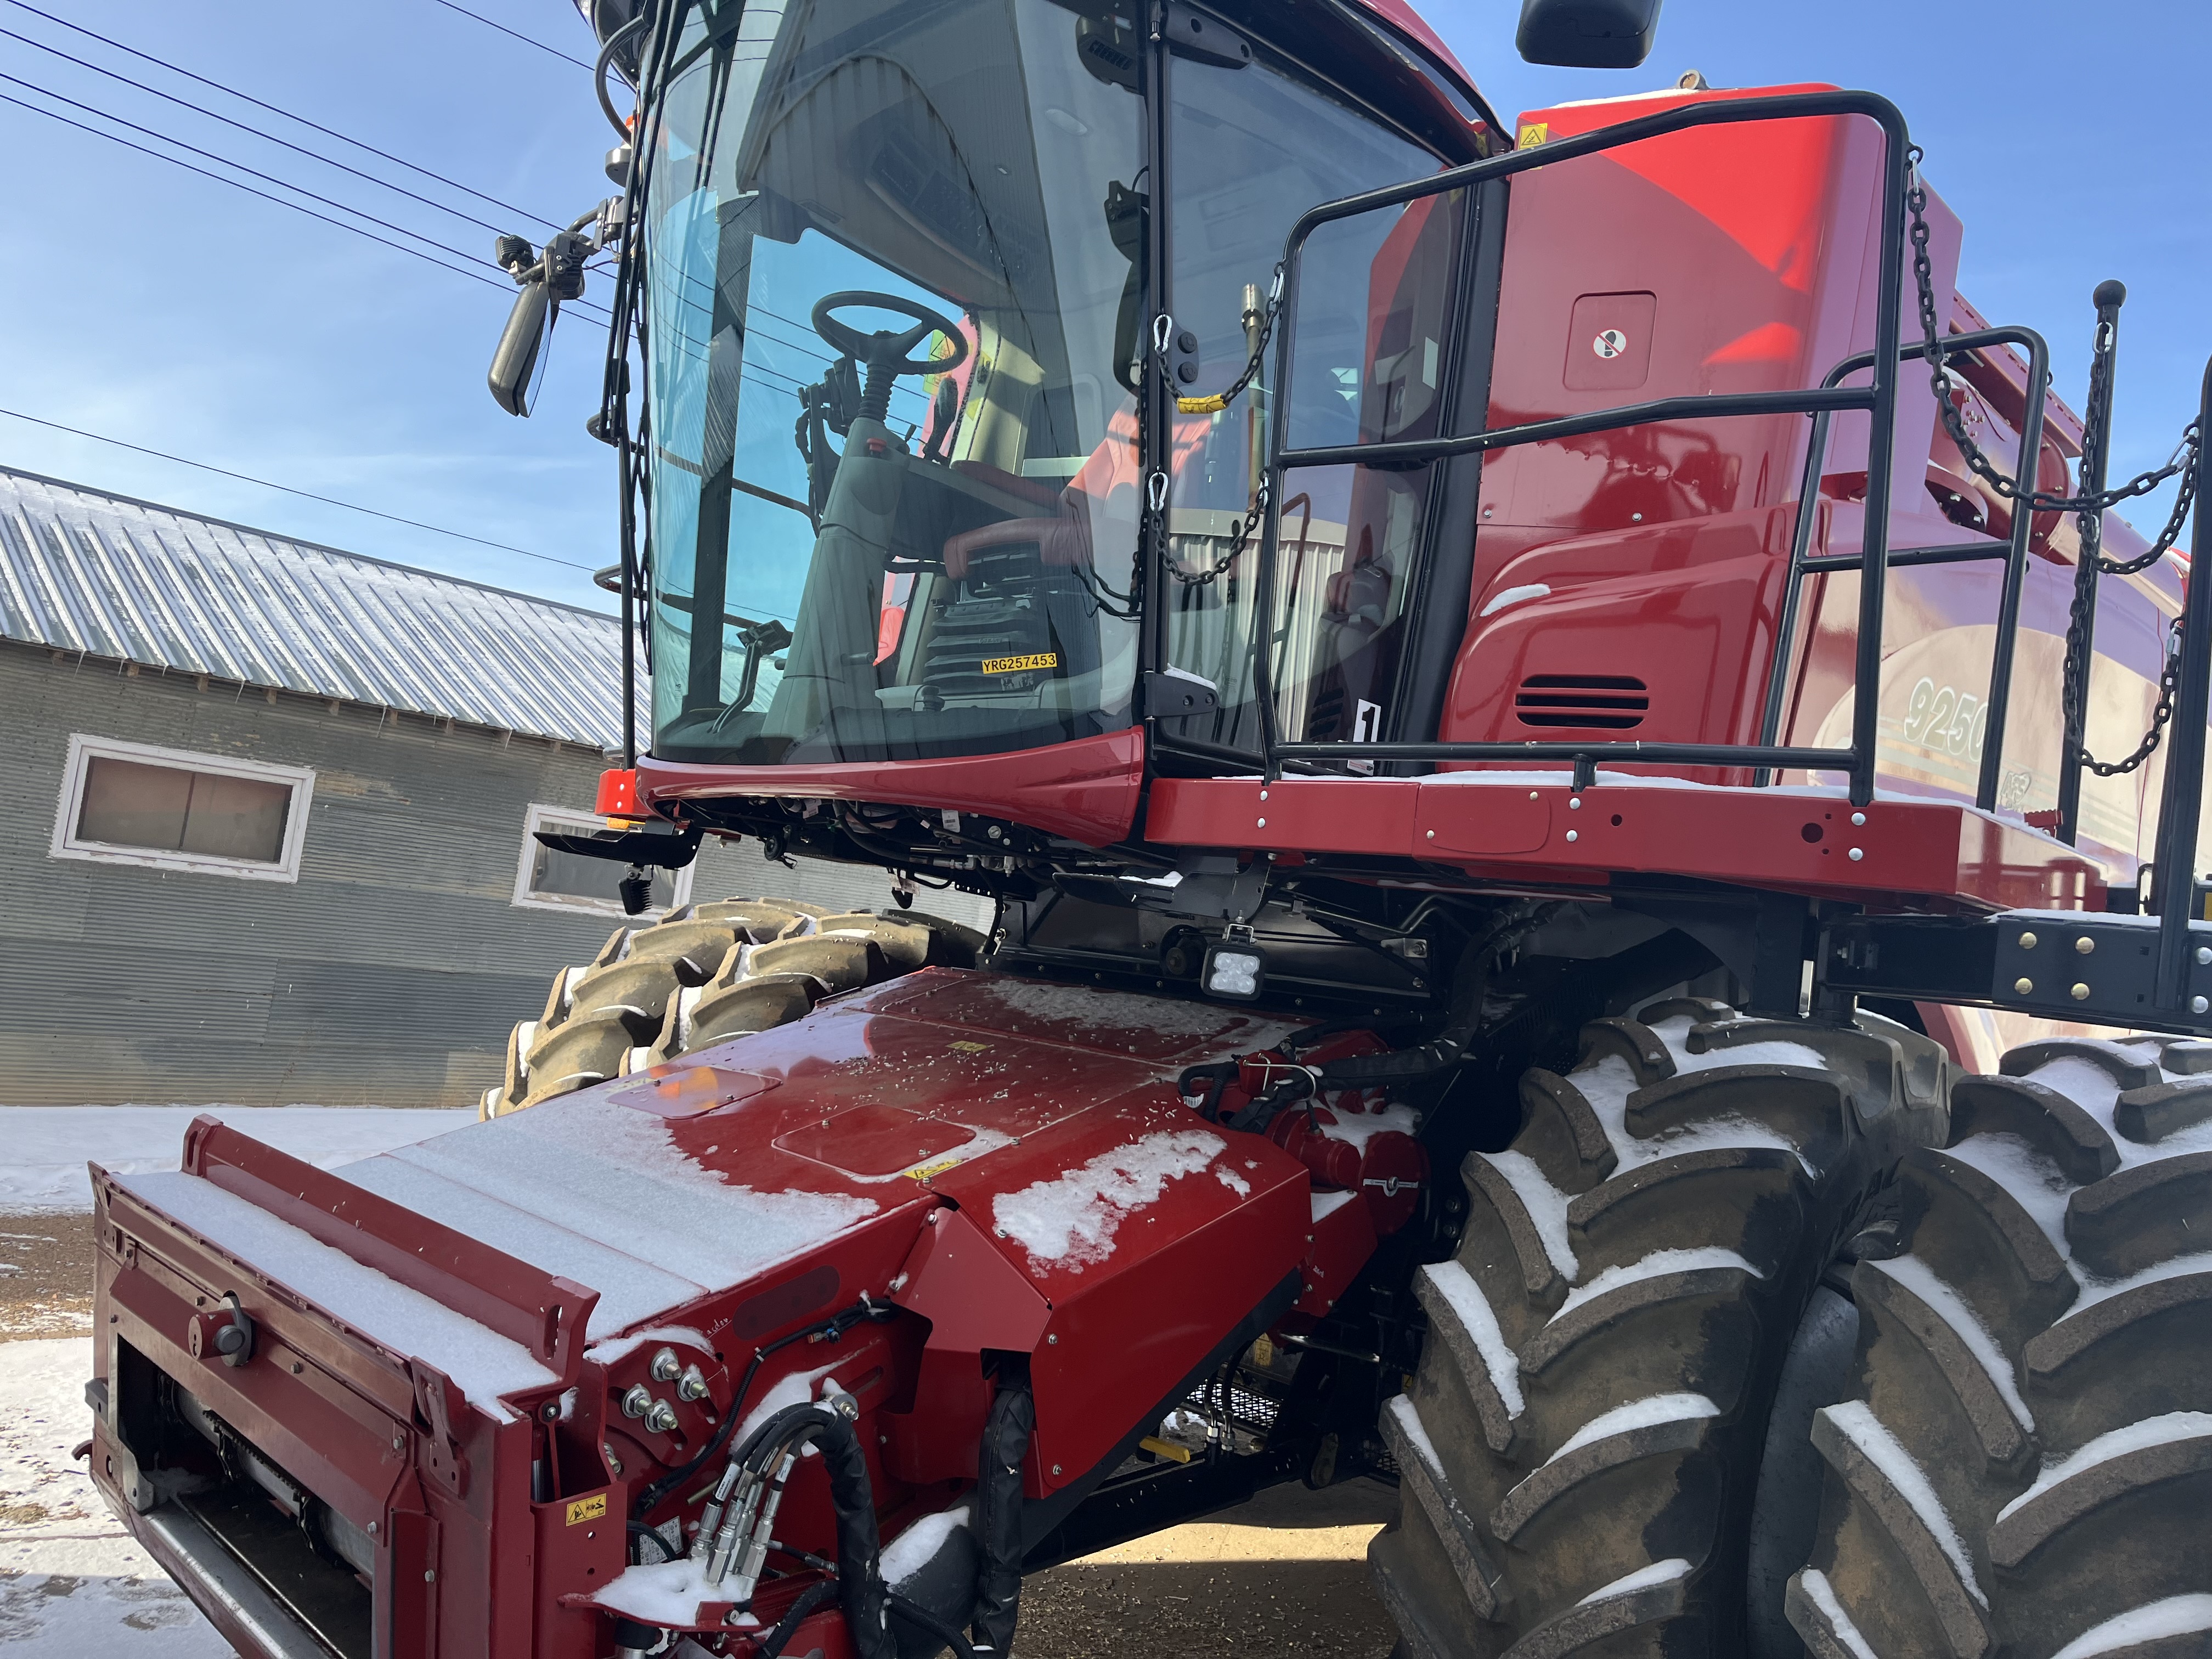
x: 884, y: 352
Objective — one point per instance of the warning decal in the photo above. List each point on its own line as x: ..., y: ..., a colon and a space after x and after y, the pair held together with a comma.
x: 594, y: 1508
x: 1021, y: 665
x: 1535, y: 133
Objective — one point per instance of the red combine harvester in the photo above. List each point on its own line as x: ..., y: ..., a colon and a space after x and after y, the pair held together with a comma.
x: 1527, y: 698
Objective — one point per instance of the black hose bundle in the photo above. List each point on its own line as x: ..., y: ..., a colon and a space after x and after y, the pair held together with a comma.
x: 1006, y: 1433
x: 859, y: 1576
x: 797, y: 1613
x: 1470, y: 985
x: 832, y: 1329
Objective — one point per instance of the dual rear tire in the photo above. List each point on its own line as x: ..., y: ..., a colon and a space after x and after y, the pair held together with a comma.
x: 1757, y: 1342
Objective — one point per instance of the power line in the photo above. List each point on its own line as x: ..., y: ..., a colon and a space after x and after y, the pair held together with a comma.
x: 482, y: 275
x: 309, y: 495
x: 526, y: 39
x: 274, y: 109
x: 199, y: 109
x: 252, y: 172
x: 235, y: 184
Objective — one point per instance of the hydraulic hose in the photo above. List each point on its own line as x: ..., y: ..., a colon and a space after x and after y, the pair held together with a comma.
x: 998, y: 1524
x: 859, y: 1576
x: 811, y: 1598
x: 1470, y: 985
x: 650, y: 1497
x: 915, y: 1613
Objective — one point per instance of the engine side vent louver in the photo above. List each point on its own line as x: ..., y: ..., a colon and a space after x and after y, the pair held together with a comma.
x: 1611, y: 702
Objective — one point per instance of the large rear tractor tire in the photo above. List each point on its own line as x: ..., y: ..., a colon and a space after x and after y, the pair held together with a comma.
x: 704, y: 974
x: 2023, y: 1469
x: 1581, y: 1445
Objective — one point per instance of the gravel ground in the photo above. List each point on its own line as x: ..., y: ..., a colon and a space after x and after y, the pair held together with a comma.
x: 1283, y: 1574
x: 45, y: 1274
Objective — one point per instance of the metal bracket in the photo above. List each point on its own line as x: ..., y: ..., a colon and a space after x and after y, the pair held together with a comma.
x: 1172, y: 693
x: 2083, y: 965
x: 664, y: 848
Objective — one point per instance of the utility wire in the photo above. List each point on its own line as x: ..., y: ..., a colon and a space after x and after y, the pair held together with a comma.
x: 526, y: 39
x: 201, y: 109
x: 174, y: 161
x: 482, y: 276
x: 309, y: 495
x: 252, y: 172
x: 274, y: 109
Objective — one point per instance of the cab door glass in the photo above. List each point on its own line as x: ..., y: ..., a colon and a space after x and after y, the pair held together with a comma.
x: 1251, y: 150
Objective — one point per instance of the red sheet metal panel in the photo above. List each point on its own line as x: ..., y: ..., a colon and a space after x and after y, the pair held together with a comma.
x: 1535, y: 826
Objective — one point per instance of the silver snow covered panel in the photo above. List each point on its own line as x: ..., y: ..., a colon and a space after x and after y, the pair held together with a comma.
x: 111, y: 577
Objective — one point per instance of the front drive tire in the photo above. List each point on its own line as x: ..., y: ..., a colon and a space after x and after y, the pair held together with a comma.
x: 1580, y: 1449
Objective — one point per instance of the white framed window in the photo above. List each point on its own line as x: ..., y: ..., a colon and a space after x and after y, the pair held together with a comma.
x: 170, y: 809
x: 546, y: 879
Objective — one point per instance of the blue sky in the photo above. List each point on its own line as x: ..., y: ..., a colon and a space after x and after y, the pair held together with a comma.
x: 151, y: 305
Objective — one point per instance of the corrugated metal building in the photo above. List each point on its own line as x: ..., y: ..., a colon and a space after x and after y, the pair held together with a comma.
x: 270, y: 840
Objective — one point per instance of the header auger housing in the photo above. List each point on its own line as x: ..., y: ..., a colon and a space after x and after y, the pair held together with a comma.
x: 1525, y: 698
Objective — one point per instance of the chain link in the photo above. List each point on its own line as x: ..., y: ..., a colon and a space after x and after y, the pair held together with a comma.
x: 1939, y: 377
x: 2089, y: 506
x: 1214, y: 403
x: 1239, y: 539
x: 2169, y: 685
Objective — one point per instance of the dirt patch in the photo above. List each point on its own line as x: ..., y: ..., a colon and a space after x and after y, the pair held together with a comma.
x: 1283, y: 1574
x: 45, y: 1274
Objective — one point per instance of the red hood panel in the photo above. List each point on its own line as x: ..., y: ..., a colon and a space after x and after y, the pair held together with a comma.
x: 758, y: 1151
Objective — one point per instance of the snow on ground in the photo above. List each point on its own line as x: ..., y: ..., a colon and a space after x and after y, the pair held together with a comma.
x: 71, y: 1581
x: 48, y: 1145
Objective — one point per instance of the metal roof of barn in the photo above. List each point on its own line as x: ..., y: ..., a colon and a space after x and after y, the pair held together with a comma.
x: 109, y: 576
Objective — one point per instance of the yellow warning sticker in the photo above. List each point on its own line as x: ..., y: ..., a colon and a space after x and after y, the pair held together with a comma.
x: 594, y: 1508
x: 926, y: 1170
x: 1535, y: 133
x: 1021, y: 665
x: 970, y: 1048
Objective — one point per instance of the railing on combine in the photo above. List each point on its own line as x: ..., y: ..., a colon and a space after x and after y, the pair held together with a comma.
x: 1951, y: 959
x: 1803, y: 562
x: 1877, y: 398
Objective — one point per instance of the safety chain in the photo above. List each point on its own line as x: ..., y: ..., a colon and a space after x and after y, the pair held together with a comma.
x: 2088, y: 506
x: 1239, y: 539
x: 2169, y: 685
x: 1214, y: 403
x: 1939, y: 376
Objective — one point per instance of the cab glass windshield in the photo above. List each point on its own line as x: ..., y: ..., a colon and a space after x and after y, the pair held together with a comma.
x: 894, y: 257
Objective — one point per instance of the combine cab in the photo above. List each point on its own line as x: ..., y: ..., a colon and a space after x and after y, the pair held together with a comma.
x: 1557, y: 728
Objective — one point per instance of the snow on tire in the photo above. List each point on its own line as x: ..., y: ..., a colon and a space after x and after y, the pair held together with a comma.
x: 2025, y: 1468
x: 1579, y: 1449
x: 704, y: 974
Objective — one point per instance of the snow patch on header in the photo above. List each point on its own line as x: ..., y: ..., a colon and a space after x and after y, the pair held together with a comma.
x: 1070, y: 1221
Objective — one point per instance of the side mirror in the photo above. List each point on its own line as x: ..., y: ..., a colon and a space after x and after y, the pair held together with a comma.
x: 518, y: 365
x: 1587, y: 34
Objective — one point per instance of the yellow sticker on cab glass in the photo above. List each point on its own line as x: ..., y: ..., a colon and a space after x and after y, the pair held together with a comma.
x: 1021, y: 665
x: 594, y: 1508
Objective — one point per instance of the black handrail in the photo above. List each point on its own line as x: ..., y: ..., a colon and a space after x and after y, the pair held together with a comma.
x: 1877, y: 398
x: 2182, y: 804
x: 2014, y: 553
